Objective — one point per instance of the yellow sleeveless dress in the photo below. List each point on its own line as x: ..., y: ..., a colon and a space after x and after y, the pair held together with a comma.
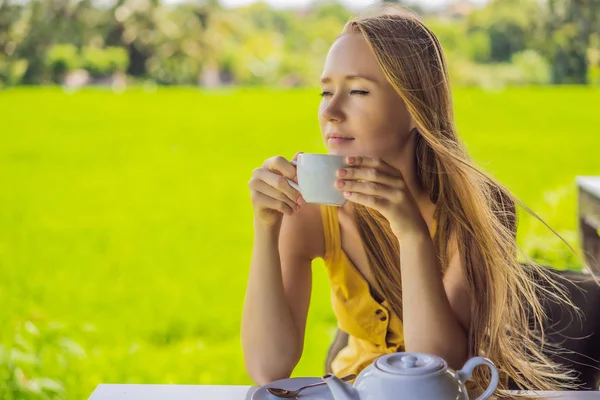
x: 373, y: 328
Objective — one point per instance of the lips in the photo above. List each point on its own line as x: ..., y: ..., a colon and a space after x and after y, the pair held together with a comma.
x: 337, y: 140
x: 339, y: 136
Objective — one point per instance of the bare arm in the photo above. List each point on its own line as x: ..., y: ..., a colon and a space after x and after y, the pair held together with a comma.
x: 436, y: 311
x: 278, y: 295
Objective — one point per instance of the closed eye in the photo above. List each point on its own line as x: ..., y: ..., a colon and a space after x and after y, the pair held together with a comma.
x: 358, y: 92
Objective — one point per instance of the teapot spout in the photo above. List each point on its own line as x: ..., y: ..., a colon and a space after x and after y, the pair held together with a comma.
x: 339, y: 389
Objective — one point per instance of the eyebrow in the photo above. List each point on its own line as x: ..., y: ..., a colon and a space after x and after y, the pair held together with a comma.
x: 327, y: 79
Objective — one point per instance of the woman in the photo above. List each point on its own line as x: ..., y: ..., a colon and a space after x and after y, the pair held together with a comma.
x: 423, y: 256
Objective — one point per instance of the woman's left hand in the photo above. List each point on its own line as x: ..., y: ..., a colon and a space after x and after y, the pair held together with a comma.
x: 373, y: 183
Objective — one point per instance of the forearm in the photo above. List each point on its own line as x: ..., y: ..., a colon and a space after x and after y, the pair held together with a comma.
x: 270, y: 339
x: 430, y: 325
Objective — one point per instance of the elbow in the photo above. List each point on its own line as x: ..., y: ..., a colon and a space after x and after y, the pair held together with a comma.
x: 263, y: 377
x: 267, y: 361
x: 262, y: 371
x: 264, y: 368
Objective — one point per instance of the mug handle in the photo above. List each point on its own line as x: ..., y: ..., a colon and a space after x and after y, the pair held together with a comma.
x: 467, y: 371
x: 291, y: 182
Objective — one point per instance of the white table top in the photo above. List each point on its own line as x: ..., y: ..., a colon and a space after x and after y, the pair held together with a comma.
x: 172, y: 392
x: 201, y: 392
x: 590, y: 184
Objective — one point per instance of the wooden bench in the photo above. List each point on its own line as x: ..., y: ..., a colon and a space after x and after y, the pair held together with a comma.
x: 589, y: 219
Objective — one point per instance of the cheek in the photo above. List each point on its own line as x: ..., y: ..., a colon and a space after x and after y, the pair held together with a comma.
x: 320, y: 118
x: 388, y: 129
x: 322, y: 124
x: 382, y: 123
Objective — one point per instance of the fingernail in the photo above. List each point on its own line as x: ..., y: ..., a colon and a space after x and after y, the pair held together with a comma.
x: 351, y: 160
x: 342, y: 172
x: 301, y: 201
x: 340, y: 184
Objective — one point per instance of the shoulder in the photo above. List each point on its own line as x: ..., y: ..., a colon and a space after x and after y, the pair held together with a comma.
x: 302, y: 233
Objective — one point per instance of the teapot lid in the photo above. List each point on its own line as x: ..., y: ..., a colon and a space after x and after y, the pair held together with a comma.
x: 410, y: 364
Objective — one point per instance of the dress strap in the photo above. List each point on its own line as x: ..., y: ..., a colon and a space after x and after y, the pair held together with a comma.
x: 433, y: 229
x: 331, y: 228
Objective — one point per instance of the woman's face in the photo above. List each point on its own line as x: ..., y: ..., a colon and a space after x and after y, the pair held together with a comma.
x: 359, y: 104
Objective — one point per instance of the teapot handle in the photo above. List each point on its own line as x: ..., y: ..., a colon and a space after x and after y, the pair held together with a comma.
x: 467, y: 371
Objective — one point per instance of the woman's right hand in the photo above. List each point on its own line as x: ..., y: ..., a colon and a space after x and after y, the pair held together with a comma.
x: 271, y: 194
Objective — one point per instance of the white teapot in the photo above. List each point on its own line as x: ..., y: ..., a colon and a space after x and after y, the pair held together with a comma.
x: 411, y: 376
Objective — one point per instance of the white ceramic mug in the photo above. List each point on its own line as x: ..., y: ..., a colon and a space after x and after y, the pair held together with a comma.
x: 317, y: 174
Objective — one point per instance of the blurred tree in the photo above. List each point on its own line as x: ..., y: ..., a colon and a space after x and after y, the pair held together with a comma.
x: 511, y: 26
x: 12, y: 68
x: 223, y: 33
x: 135, y: 25
x: 571, y: 24
x: 199, y: 41
x: 413, y: 5
x: 594, y: 59
x: 35, y: 31
x: 330, y: 9
x: 103, y: 62
x: 450, y: 34
x: 62, y: 59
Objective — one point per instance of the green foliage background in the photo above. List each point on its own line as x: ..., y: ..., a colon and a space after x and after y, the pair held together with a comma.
x: 126, y: 226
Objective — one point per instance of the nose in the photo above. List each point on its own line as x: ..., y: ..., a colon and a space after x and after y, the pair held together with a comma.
x: 332, y: 111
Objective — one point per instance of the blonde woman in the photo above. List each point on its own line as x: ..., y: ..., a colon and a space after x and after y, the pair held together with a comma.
x: 423, y: 256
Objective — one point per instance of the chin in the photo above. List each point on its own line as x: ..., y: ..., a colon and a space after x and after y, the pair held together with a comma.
x: 344, y: 150
x: 338, y: 152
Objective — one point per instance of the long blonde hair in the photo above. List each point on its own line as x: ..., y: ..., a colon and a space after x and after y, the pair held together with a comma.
x: 478, y: 211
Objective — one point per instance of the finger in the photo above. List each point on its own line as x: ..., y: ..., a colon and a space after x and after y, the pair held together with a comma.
x: 366, y: 200
x: 371, y: 175
x: 281, y: 165
x: 372, y: 162
x: 264, y: 188
x: 368, y: 188
x: 295, y: 158
x: 271, y: 203
x: 278, y: 182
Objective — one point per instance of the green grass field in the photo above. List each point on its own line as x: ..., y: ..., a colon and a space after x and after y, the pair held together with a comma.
x: 125, y: 221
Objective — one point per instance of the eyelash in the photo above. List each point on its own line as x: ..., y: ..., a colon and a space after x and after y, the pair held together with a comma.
x: 359, y: 92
